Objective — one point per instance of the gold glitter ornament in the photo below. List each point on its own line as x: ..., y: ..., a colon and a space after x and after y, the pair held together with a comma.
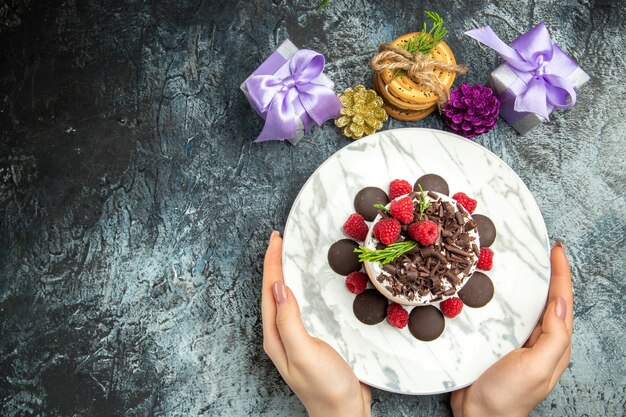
x: 363, y: 112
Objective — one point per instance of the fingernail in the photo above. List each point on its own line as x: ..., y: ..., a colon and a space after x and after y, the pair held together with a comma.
x: 557, y: 243
x: 561, y: 308
x: 280, y: 294
x: 274, y: 234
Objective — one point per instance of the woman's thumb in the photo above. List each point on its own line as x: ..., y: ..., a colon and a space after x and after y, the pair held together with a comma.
x: 554, y: 339
x: 290, y: 327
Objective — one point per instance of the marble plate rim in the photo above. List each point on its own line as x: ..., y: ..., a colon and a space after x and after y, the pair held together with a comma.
x: 374, y: 136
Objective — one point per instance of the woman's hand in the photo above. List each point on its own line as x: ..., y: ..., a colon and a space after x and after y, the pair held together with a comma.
x: 522, y: 379
x: 315, y: 371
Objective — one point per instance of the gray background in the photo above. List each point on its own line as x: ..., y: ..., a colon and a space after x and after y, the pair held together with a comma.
x: 135, y: 208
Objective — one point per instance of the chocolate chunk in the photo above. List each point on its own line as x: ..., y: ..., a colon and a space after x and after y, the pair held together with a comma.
x: 486, y: 230
x: 453, y: 279
x: 390, y: 269
x: 458, y: 259
x: 463, y: 240
x: 432, y: 182
x: 414, y: 251
x: 478, y: 291
x: 341, y: 257
x: 458, y: 251
x: 370, y: 307
x: 426, y: 323
x: 365, y: 200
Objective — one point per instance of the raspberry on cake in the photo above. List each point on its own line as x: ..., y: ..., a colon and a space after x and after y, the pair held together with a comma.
x: 355, y: 227
x: 402, y: 209
x: 398, y: 188
x: 468, y: 204
x: 387, y: 230
x: 424, y: 232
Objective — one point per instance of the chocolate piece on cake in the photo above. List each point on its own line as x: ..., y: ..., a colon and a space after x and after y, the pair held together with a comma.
x: 426, y: 323
x: 366, y: 198
x: 486, y: 230
x: 478, y: 291
x: 370, y: 307
x: 342, y: 258
x: 432, y: 182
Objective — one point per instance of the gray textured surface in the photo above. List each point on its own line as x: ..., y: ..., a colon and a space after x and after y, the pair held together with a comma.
x: 135, y: 209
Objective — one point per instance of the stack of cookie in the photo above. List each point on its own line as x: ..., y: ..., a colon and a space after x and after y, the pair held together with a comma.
x: 404, y: 98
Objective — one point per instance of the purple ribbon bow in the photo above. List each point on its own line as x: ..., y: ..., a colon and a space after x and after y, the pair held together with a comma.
x: 274, y: 96
x: 541, y: 65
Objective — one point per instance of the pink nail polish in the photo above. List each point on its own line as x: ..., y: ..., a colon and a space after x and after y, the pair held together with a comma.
x: 561, y: 308
x: 280, y: 294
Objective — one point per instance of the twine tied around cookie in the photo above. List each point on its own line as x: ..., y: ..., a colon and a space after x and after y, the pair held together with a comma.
x: 418, y: 66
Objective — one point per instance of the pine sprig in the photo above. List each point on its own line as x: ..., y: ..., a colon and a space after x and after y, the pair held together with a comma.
x: 386, y: 255
x: 382, y: 208
x: 424, y: 204
x: 427, y: 40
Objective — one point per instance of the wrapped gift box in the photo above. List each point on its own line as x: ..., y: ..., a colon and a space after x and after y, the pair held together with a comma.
x: 278, y: 64
x: 536, y: 78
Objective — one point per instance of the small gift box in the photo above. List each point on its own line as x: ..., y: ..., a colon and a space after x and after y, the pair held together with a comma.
x: 291, y: 93
x: 536, y: 78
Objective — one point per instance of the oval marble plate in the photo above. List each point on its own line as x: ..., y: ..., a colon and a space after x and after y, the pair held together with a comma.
x: 381, y: 355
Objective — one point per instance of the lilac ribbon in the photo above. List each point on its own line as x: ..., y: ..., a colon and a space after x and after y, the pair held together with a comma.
x: 540, y: 64
x: 274, y: 96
